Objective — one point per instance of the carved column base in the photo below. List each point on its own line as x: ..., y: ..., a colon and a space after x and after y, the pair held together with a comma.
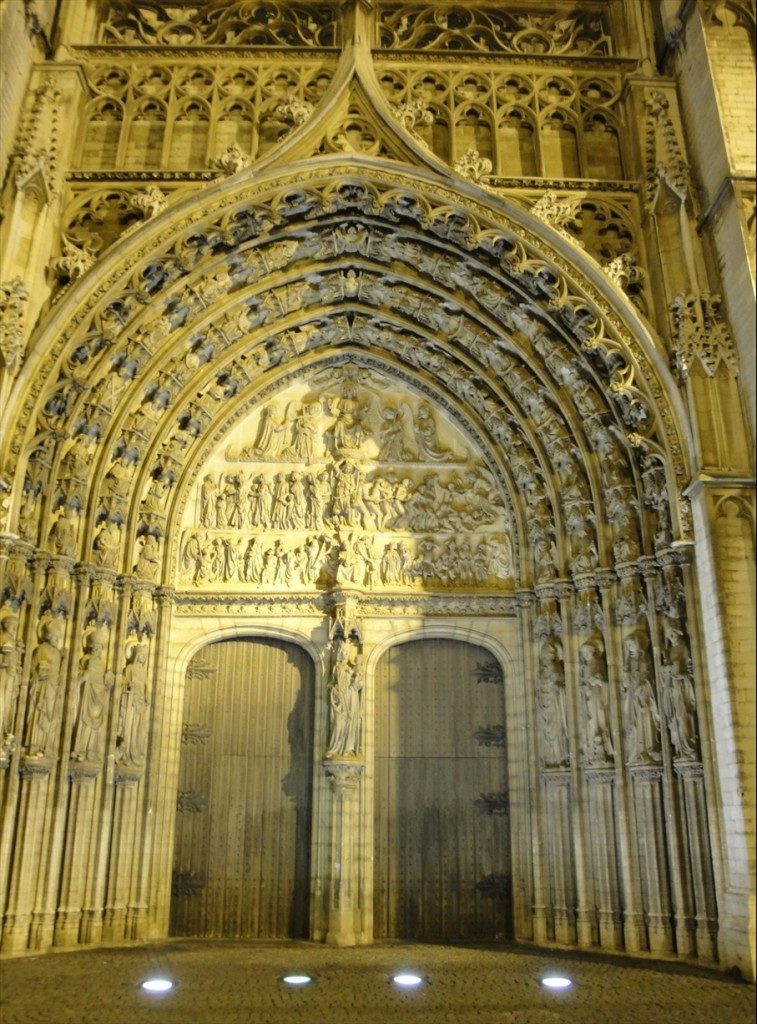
x: 344, y: 779
x: 136, y: 921
x: 67, y: 927
x: 91, y: 927
x: 42, y: 929
x: 16, y: 933
x: 650, y: 823
x: 114, y: 924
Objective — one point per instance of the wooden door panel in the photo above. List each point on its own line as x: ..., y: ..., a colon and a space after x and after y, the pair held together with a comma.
x: 241, y: 854
x: 442, y: 866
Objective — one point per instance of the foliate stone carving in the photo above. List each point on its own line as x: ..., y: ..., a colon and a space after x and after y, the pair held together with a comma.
x: 701, y: 335
x: 558, y: 213
x: 36, y: 155
x: 490, y: 29
x: 294, y: 112
x: 664, y: 155
x: 95, y: 683
x: 597, y: 745
x: 150, y: 202
x: 74, y: 263
x: 233, y: 159
x: 131, y: 747
x: 641, y: 711
x: 46, y: 683
x: 414, y: 114
x: 239, y: 23
x: 472, y: 165
x: 13, y: 300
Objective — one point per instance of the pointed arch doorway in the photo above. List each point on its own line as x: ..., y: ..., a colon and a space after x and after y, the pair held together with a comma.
x: 242, y: 848
x: 441, y: 822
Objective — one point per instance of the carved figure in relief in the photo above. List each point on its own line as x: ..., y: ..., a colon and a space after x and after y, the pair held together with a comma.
x: 9, y: 678
x: 396, y: 435
x: 148, y: 559
x: 95, y: 683
x: 429, y: 449
x: 45, y: 690
x: 552, y: 709
x: 259, y: 502
x: 305, y: 432
x: 500, y: 557
x: 349, y: 430
x: 641, y: 713
x: 132, y: 728
x: 118, y: 478
x: 107, y: 545
x: 594, y: 689
x: 64, y: 531
x: 345, y: 703
x: 273, y: 433
x: 208, y: 502
x: 678, y: 697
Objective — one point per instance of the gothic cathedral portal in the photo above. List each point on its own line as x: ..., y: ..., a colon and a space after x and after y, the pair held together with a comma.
x: 376, y: 478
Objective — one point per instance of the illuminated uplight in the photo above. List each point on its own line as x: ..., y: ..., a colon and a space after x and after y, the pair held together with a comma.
x: 157, y: 985
x: 297, y: 979
x: 407, y: 980
x: 556, y: 981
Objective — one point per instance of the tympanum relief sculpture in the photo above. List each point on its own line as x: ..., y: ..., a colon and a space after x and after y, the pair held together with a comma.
x: 347, y: 483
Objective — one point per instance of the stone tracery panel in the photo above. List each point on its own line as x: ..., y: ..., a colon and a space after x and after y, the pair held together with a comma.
x: 242, y: 23
x: 489, y: 29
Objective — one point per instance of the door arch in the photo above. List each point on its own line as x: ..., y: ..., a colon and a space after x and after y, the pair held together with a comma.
x: 242, y: 848
x: 441, y: 815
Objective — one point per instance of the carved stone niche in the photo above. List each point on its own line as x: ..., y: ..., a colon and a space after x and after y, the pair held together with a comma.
x: 347, y: 479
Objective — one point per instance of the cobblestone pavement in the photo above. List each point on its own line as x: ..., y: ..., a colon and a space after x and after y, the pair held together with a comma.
x: 240, y: 983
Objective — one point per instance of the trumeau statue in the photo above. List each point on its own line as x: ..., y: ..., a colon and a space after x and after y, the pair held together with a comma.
x: 345, y: 483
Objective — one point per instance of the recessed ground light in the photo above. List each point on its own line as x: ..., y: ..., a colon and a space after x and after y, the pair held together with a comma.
x: 297, y: 979
x: 407, y: 980
x: 556, y: 981
x: 157, y: 985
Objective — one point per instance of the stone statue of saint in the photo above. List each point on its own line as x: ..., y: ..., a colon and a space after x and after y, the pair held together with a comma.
x: 552, y: 708
x: 594, y: 689
x: 642, y: 715
x: 132, y: 731
x: 345, y: 703
x: 9, y: 673
x: 45, y: 690
x: 95, y: 683
x: 678, y: 698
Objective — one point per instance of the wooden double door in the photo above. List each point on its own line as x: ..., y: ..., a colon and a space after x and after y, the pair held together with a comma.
x: 244, y: 806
